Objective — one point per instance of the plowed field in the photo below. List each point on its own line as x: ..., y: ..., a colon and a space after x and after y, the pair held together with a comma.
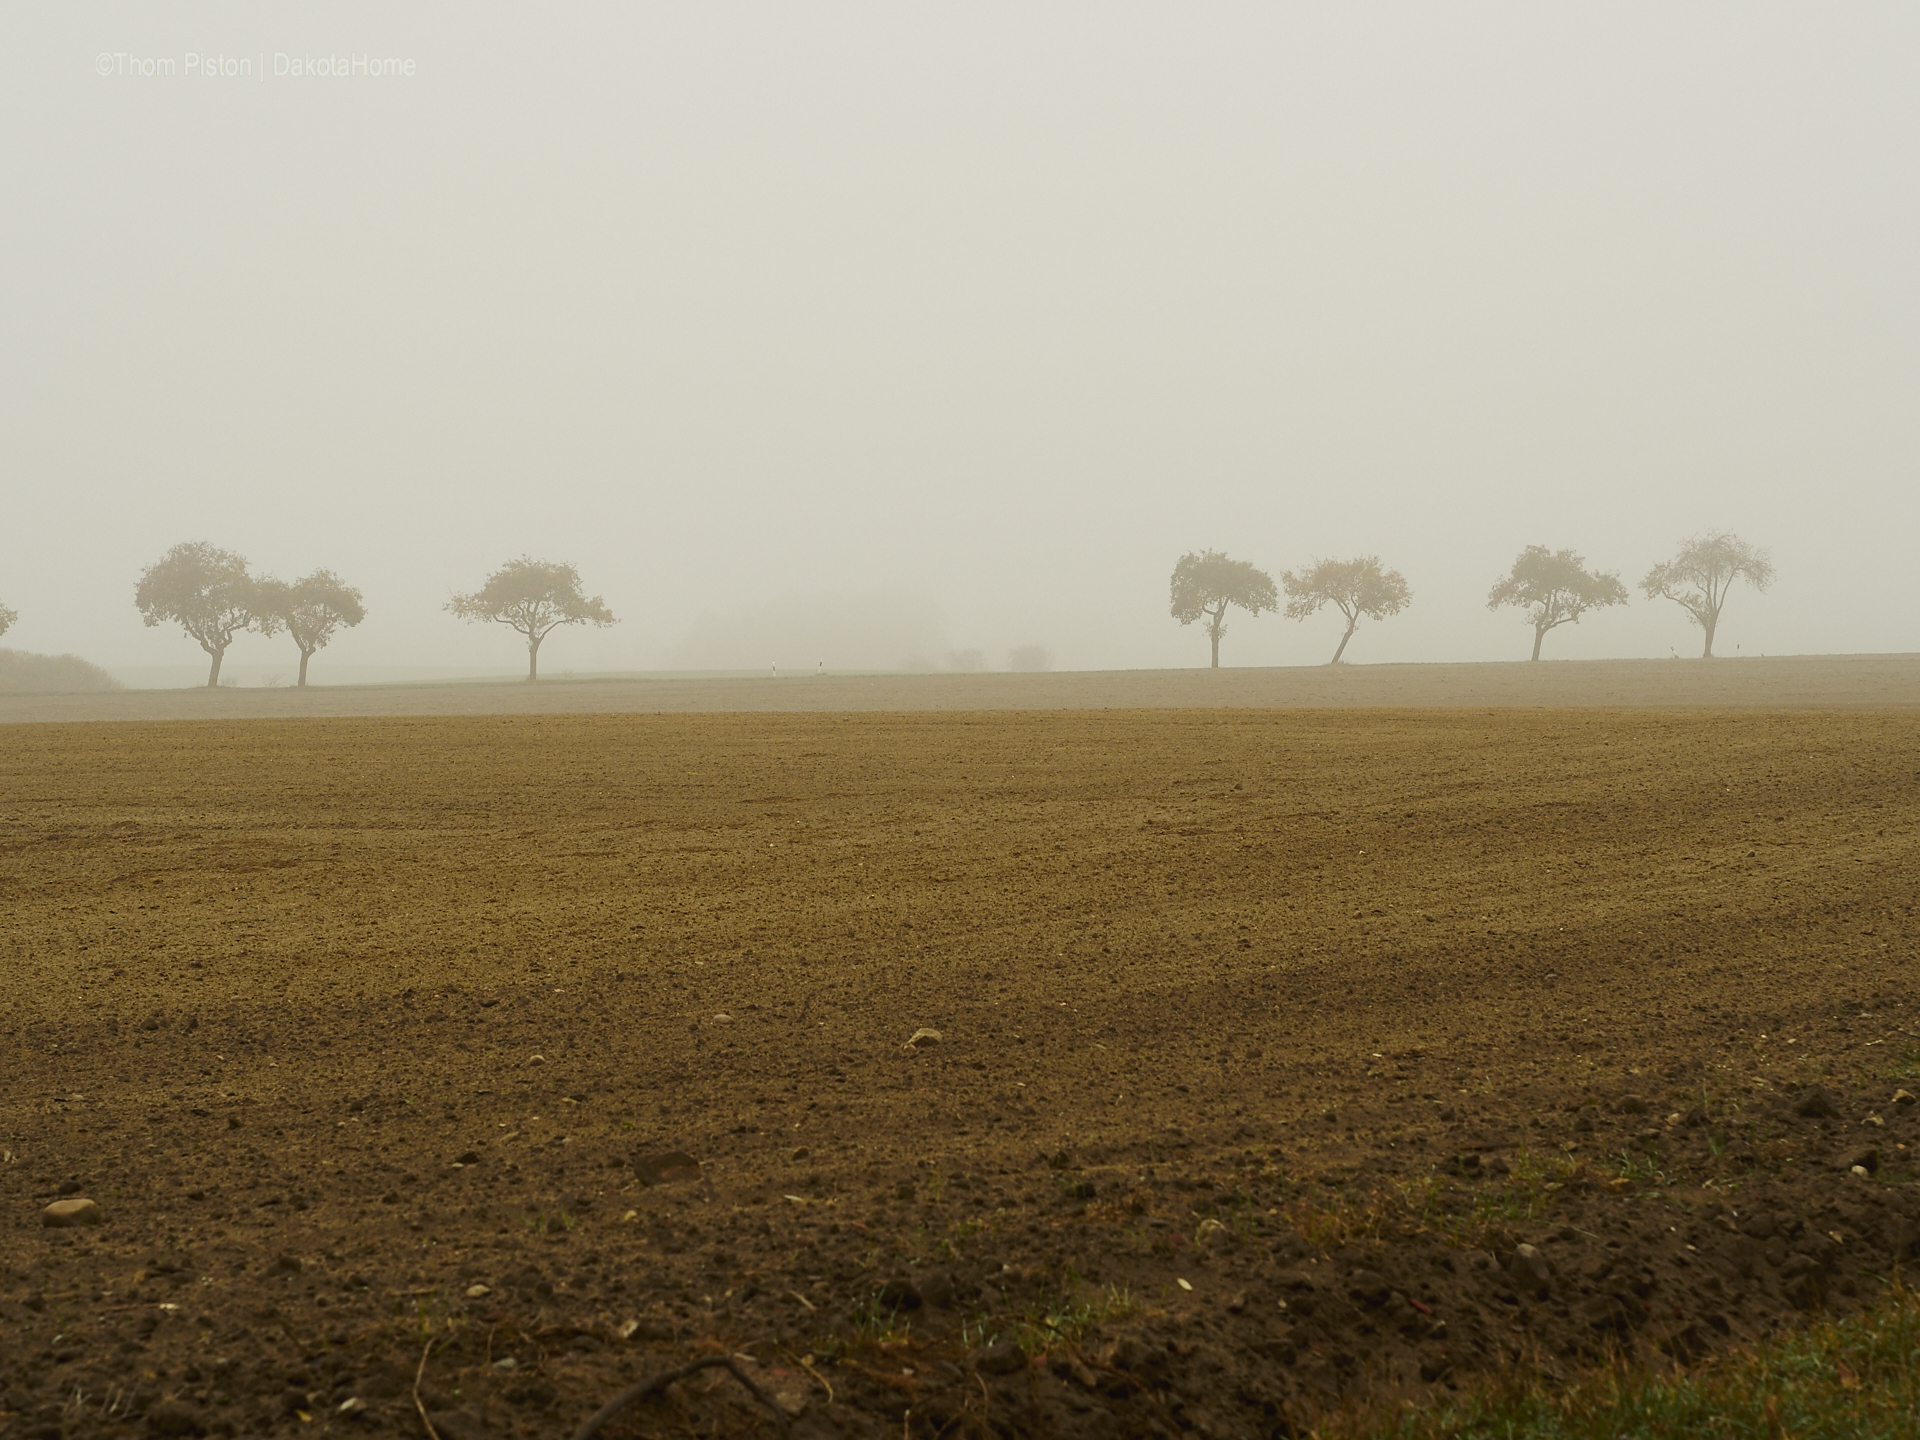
x: 1282, y: 1056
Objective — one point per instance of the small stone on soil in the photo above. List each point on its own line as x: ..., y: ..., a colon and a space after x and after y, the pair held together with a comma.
x: 478, y: 1292
x: 63, y: 1214
x: 1529, y: 1271
x: 1903, y: 1097
x: 922, y: 1038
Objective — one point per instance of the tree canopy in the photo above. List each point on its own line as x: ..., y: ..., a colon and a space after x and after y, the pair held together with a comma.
x: 1699, y: 577
x: 1204, y: 585
x: 311, y: 609
x: 534, y: 597
x: 1353, y: 587
x: 1555, y: 588
x: 208, y: 593
x: 7, y: 617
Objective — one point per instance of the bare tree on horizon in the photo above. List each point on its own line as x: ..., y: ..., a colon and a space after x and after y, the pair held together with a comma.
x: 311, y: 609
x: 1699, y: 577
x: 1204, y: 585
x: 1555, y: 588
x: 534, y: 597
x: 1353, y: 587
x: 208, y: 593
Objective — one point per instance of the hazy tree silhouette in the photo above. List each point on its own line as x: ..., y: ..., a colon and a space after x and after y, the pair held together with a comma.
x: 1030, y: 658
x: 534, y: 597
x: 1204, y: 585
x: 208, y: 593
x: 312, y: 609
x: 1353, y: 587
x: 1555, y: 588
x: 1699, y: 577
x: 7, y: 617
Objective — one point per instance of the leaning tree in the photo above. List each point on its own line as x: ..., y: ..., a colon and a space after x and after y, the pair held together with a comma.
x: 1555, y: 588
x: 1204, y: 585
x: 313, y: 608
x: 534, y: 597
x: 1699, y: 577
x: 208, y: 593
x: 1353, y: 587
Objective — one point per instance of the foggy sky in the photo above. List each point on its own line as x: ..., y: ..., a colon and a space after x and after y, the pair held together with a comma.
x: 979, y: 313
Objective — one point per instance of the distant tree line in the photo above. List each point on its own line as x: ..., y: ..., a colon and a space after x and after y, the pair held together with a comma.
x: 212, y: 595
x: 1550, y: 587
x: 209, y: 593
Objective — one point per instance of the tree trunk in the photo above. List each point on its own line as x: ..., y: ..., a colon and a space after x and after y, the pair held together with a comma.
x: 1539, y: 634
x: 1352, y: 625
x: 1215, y: 637
x: 304, y: 654
x: 1707, y: 654
x: 533, y: 661
x: 213, y: 675
x: 1214, y: 629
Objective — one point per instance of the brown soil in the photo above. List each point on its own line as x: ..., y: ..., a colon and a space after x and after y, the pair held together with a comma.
x: 1828, y: 682
x: 1267, y: 1038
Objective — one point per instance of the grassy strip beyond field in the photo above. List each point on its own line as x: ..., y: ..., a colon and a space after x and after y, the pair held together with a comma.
x: 1856, y: 1378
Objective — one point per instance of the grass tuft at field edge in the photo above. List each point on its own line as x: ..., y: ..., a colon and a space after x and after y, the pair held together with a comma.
x: 1856, y: 1378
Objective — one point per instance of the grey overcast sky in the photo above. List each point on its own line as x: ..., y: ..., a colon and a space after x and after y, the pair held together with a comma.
x: 954, y: 325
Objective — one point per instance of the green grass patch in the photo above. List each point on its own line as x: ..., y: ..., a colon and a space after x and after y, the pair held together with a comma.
x: 1856, y: 1378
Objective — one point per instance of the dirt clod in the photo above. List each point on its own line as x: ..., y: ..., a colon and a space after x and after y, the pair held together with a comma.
x: 1005, y: 1358
x: 671, y: 1167
x: 172, y: 1418
x: 1816, y: 1102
